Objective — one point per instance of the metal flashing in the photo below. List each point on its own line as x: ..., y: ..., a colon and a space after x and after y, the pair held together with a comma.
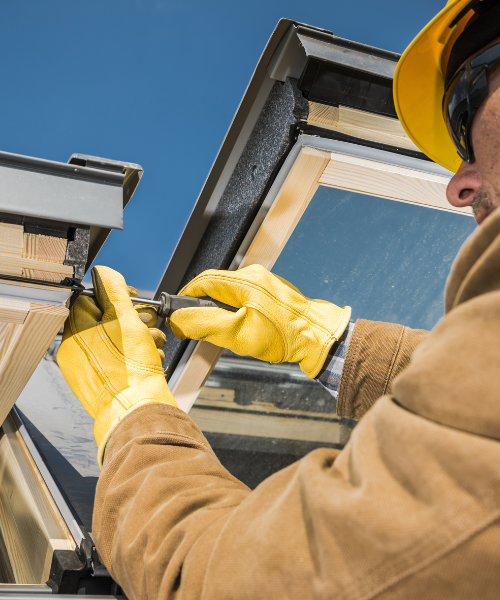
x: 38, y: 295
x: 229, y: 153
x: 32, y: 192
x: 130, y: 172
x: 347, y: 53
x: 53, y: 167
x: 31, y: 590
x: 289, y: 59
x: 26, y: 594
x: 361, y: 151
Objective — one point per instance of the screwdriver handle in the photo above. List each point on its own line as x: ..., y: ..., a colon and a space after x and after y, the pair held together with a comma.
x: 171, y: 303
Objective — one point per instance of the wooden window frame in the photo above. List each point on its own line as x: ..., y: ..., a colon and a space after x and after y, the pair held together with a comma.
x: 315, y: 166
x: 30, y: 521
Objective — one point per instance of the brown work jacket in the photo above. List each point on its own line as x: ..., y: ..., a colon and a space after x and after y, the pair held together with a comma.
x: 410, y: 508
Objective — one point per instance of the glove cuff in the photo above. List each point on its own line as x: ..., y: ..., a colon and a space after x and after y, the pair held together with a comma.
x: 102, y: 444
x: 314, y: 361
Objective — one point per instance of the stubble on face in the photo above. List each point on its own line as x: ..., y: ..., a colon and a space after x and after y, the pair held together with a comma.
x: 484, y: 203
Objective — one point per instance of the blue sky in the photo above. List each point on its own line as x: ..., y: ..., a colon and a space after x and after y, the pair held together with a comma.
x: 155, y: 82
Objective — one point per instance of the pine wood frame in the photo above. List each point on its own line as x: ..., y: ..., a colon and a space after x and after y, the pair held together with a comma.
x: 312, y: 168
x: 31, y: 524
x: 26, y: 331
x: 262, y: 419
x: 32, y: 255
x: 360, y: 124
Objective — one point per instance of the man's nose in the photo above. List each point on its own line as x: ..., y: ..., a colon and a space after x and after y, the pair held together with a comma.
x: 464, y: 185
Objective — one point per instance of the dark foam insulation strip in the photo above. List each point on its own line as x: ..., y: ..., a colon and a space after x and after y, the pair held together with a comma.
x: 270, y: 141
x: 77, y: 250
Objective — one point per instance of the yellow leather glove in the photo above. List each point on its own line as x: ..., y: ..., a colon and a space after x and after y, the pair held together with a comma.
x: 109, y: 357
x: 275, y: 322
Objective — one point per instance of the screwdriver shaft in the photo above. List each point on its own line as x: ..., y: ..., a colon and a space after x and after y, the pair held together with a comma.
x: 169, y: 303
x: 91, y: 294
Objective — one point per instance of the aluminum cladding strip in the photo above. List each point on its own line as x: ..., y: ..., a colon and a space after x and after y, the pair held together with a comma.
x: 26, y: 595
x: 19, y: 588
x: 31, y: 163
x: 347, y: 55
x: 389, y: 158
x: 32, y: 294
x: 50, y: 196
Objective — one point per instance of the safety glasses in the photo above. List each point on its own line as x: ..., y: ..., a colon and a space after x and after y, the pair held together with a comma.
x: 464, y: 95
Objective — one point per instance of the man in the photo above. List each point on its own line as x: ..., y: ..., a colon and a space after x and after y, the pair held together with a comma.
x: 411, y: 507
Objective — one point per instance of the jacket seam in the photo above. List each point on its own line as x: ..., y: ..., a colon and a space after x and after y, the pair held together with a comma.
x: 346, y: 371
x: 397, y: 351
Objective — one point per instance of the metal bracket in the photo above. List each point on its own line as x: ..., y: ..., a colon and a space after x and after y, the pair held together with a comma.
x: 80, y: 571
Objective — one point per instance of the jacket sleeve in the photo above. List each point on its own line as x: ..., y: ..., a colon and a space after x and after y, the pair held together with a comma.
x: 171, y: 523
x: 377, y: 353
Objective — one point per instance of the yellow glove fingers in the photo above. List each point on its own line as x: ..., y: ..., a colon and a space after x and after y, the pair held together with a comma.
x: 147, y: 314
x: 238, y: 287
x: 159, y: 338
x: 234, y: 331
x: 112, y: 293
x: 162, y: 354
x: 219, y: 285
x: 86, y: 305
x: 133, y: 291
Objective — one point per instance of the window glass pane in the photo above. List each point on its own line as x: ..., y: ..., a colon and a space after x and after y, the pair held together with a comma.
x: 389, y: 260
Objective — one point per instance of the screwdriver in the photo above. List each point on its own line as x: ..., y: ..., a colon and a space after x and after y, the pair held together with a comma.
x: 168, y: 303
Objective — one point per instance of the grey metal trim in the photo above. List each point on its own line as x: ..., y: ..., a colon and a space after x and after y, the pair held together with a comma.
x: 38, y: 295
x: 132, y: 174
x: 26, y: 595
x: 49, y: 195
x: 245, y: 364
x: 301, y: 43
x: 289, y: 58
x: 61, y: 504
x: 347, y: 53
x: 229, y: 153
x: 53, y: 167
x: 390, y: 158
x: 18, y: 588
x: 106, y: 164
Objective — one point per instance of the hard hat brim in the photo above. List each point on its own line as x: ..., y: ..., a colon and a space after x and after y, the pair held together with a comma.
x: 419, y: 88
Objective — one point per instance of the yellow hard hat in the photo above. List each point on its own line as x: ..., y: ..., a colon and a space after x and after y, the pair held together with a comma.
x: 419, y: 83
